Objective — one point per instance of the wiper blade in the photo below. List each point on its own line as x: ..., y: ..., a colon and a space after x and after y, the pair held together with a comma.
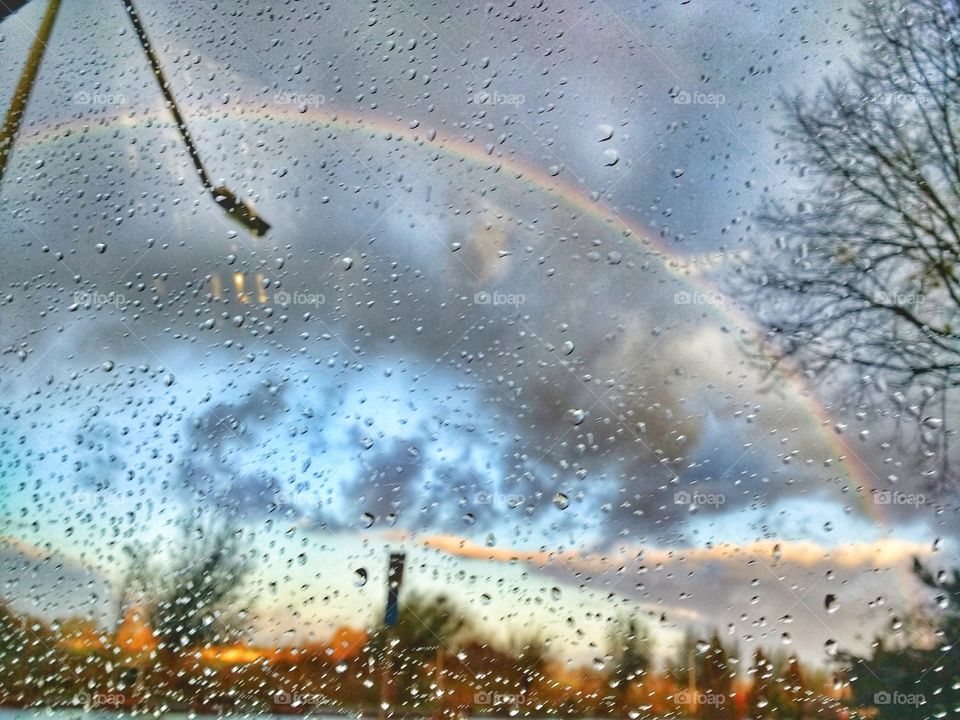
x: 240, y: 211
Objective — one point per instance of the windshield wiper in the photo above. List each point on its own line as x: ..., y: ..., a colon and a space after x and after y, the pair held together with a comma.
x: 236, y: 208
x: 21, y: 93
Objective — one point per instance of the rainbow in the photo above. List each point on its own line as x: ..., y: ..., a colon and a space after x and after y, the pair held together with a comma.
x: 861, y: 479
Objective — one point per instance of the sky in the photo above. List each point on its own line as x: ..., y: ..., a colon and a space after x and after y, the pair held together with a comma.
x: 494, y: 323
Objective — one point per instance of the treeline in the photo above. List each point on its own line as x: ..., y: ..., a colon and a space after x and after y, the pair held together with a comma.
x: 435, y: 659
x: 182, y: 644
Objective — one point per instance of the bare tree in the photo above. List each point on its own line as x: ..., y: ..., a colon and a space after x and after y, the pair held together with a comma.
x: 632, y: 655
x: 189, y: 600
x: 426, y: 628
x: 530, y: 655
x: 864, y: 284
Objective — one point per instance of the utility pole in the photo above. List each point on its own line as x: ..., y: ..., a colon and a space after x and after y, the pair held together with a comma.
x: 391, y: 615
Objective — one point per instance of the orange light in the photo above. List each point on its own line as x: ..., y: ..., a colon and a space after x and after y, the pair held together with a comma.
x: 238, y: 286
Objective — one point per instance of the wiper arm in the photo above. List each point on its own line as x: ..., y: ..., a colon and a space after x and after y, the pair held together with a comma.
x: 21, y: 93
x: 236, y: 208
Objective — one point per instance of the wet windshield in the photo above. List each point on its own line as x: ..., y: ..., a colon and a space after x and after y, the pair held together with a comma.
x: 449, y: 359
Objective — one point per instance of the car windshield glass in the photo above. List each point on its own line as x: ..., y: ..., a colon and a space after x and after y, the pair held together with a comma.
x: 539, y: 358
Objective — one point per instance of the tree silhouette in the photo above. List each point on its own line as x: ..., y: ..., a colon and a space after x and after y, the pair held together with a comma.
x: 632, y: 653
x: 529, y: 656
x: 189, y: 599
x: 762, y: 688
x: 715, y: 675
x: 31, y: 664
x: 916, y: 679
x: 426, y: 628
x: 864, y: 285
